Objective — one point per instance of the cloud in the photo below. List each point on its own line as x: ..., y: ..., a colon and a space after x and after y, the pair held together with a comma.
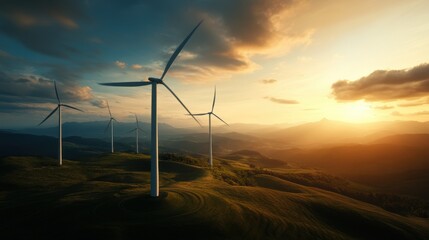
x: 4, y: 54
x: 47, y: 27
x: 27, y: 13
x: 383, y: 107
x: 396, y: 114
x: 385, y: 85
x: 232, y: 32
x: 281, y: 101
x: 136, y: 66
x: 268, y: 81
x: 420, y: 113
x: 32, y: 86
x: 120, y: 64
x: 101, y: 103
x: 414, y: 103
x: 7, y: 107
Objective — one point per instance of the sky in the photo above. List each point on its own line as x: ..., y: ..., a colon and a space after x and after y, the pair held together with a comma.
x: 272, y: 61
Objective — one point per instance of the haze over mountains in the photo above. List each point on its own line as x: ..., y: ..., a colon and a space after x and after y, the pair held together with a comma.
x: 307, y: 135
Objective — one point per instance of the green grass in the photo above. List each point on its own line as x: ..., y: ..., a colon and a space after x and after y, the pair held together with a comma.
x: 108, y: 197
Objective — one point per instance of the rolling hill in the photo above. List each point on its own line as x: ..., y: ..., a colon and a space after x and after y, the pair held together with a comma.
x: 415, y: 140
x: 398, y: 163
x: 14, y: 144
x: 108, y: 197
x: 326, y: 133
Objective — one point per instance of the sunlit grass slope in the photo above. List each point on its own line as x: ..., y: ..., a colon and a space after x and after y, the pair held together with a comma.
x: 108, y: 197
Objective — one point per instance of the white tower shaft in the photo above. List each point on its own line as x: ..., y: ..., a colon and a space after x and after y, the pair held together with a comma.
x: 111, y: 130
x: 60, y: 137
x: 137, y: 140
x: 210, y: 140
x: 154, y: 167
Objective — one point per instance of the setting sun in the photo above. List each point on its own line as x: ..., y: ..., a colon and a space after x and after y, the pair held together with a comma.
x: 358, y: 111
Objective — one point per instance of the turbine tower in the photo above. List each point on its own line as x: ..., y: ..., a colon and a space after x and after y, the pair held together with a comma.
x: 60, y: 128
x: 154, y: 166
x: 110, y: 124
x: 137, y: 129
x: 210, y: 127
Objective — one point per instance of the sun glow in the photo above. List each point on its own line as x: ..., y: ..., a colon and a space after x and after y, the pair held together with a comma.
x: 359, y: 111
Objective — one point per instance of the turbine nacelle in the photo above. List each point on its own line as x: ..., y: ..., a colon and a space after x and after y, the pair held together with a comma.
x: 157, y: 80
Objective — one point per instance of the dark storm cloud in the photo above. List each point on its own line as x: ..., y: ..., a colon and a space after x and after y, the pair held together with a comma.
x: 385, y: 85
x: 44, y: 26
x: 281, y: 100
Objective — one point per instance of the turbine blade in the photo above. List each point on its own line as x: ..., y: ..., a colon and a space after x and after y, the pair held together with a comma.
x: 108, y: 125
x: 178, y: 49
x: 220, y: 119
x: 126, y: 84
x: 197, y: 114
x: 50, y: 114
x: 108, y: 107
x: 65, y: 105
x: 214, y: 99
x: 132, y: 130
x: 141, y: 129
x: 56, y: 91
x: 181, y: 103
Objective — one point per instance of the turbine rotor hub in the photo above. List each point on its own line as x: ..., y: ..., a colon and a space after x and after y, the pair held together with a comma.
x: 157, y: 80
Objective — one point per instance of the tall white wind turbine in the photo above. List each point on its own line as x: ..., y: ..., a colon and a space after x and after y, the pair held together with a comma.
x: 210, y: 127
x: 154, y: 166
x: 110, y: 124
x: 137, y: 129
x: 60, y: 128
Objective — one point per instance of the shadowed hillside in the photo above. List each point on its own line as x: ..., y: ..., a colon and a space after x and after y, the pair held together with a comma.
x: 108, y: 197
x: 397, y: 164
x: 14, y: 144
x: 415, y: 140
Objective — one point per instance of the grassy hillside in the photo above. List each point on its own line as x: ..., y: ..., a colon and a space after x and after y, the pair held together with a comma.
x: 415, y: 140
x: 394, y: 163
x: 108, y: 197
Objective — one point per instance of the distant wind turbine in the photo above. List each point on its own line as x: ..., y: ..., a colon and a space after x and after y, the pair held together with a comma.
x: 154, y: 166
x: 137, y: 129
x: 60, y: 128
x: 210, y: 126
x: 110, y: 124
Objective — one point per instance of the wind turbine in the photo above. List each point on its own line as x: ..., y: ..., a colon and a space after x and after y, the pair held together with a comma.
x: 210, y: 126
x: 154, y: 166
x: 111, y: 125
x: 60, y: 128
x: 137, y: 129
